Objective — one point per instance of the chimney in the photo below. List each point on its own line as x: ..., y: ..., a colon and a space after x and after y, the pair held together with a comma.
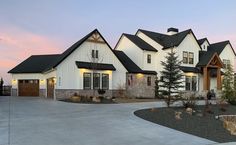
x: 172, y: 31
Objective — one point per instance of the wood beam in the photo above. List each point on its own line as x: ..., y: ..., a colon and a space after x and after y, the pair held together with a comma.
x: 205, y: 79
x: 218, y: 79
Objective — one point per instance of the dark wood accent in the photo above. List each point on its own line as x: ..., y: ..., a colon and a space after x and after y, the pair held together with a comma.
x: 50, y: 87
x: 28, y: 88
x: 219, y: 79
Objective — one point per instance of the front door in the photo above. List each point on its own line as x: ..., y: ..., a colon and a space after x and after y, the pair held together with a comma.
x: 50, y: 87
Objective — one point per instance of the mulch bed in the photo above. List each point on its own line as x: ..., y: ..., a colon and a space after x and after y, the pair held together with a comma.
x: 206, y: 126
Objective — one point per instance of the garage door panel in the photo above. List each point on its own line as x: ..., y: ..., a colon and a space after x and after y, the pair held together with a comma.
x: 28, y: 87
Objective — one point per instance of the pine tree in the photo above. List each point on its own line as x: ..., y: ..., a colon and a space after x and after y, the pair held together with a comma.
x: 228, y: 84
x: 171, y: 80
x: 156, y: 88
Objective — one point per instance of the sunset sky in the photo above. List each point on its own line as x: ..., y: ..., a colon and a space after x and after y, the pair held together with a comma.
x: 30, y: 27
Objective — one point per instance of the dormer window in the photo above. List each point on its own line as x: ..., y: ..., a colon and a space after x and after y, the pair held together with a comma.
x: 94, y: 53
x: 149, y: 58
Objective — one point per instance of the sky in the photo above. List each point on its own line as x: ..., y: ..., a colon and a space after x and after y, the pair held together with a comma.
x: 30, y: 27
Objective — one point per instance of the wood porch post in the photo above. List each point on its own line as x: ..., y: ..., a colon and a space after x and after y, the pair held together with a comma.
x: 205, y: 79
x: 218, y: 78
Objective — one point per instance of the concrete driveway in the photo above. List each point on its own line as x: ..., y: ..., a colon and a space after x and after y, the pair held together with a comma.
x: 37, y: 121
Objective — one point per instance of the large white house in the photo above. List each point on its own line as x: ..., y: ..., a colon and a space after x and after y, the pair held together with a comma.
x: 134, y: 65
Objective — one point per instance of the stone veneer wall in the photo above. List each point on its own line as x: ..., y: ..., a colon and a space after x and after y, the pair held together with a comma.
x: 66, y: 93
x: 138, y: 87
x: 42, y: 93
x: 13, y: 92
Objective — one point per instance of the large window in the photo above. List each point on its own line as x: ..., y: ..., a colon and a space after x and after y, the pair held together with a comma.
x: 190, y: 83
x: 149, y: 58
x: 94, y: 53
x: 226, y: 63
x: 185, y: 57
x: 105, y: 81
x: 191, y: 56
x: 87, y: 80
x: 188, y: 57
x: 149, y: 81
x: 96, y: 81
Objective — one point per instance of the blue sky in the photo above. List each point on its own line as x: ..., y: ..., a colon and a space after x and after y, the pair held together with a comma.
x: 50, y: 26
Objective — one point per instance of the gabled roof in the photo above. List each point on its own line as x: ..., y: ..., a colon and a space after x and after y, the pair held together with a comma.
x: 36, y: 64
x: 130, y: 66
x: 219, y: 47
x: 96, y: 66
x: 201, y: 41
x: 140, y: 43
x: 165, y: 40
x: 43, y: 63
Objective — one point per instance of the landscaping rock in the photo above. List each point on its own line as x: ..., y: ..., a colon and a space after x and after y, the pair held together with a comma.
x: 96, y: 99
x: 189, y: 111
x: 177, y: 115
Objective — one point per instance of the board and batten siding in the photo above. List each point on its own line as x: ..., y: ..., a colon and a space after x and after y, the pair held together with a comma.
x: 72, y: 78
x: 228, y: 54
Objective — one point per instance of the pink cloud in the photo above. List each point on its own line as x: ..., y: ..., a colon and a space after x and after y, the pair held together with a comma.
x: 16, y: 45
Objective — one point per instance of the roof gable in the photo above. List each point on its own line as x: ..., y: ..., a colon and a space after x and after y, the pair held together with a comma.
x: 167, y: 41
x: 201, y: 41
x: 219, y: 47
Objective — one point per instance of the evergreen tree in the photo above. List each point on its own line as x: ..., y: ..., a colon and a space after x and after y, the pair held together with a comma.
x: 171, y: 80
x: 228, y: 84
x: 156, y: 88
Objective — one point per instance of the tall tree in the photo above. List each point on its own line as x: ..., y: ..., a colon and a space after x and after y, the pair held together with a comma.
x: 172, y: 79
x: 1, y: 86
x: 228, y: 84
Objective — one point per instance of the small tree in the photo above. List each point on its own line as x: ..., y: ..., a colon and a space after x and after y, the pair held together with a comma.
x: 171, y: 80
x: 1, y: 86
x: 156, y: 88
x: 228, y: 85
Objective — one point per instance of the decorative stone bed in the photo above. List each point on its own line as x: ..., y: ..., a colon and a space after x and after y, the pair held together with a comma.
x: 209, y: 126
x: 229, y: 123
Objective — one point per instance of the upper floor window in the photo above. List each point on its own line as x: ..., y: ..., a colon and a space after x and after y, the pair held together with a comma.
x: 149, y: 58
x: 191, y: 56
x: 94, y: 53
x: 226, y: 63
x: 185, y: 57
x: 188, y: 57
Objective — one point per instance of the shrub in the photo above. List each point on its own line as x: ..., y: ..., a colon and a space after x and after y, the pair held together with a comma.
x: 188, y: 100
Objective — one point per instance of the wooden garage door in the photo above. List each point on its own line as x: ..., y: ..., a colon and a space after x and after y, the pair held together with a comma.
x: 50, y: 87
x: 28, y: 87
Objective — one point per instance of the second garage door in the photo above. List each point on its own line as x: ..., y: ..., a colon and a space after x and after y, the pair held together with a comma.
x: 28, y: 87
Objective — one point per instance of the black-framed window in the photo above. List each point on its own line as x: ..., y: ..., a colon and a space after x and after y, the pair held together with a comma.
x: 87, y: 80
x: 149, y: 58
x: 96, y: 81
x: 149, y: 81
x: 194, y: 83
x: 185, y: 57
x: 94, y: 53
x: 187, y: 83
x: 105, y: 81
x: 226, y: 63
x: 191, y: 57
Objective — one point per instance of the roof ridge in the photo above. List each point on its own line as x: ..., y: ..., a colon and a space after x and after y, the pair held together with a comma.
x: 221, y: 42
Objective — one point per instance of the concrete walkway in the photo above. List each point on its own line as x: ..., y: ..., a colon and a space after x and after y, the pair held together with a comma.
x: 36, y: 121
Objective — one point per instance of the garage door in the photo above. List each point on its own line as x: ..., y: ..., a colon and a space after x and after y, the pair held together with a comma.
x: 28, y: 87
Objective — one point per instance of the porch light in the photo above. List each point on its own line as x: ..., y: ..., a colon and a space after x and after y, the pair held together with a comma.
x: 14, y: 82
x: 139, y: 75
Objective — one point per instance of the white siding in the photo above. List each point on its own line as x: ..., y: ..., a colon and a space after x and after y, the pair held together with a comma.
x: 204, y: 45
x: 228, y: 54
x: 70, y: 74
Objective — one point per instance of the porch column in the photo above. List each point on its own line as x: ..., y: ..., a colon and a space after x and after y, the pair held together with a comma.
x: 218, y: 78
x: 205, y: 79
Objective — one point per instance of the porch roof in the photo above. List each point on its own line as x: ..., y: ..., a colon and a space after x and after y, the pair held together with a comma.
x: 190, y: 69
x: 95, y: 66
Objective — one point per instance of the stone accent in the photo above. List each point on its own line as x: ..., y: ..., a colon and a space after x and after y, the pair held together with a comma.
x: 13, y: 92
x: 137, y: 86
x: 67, y: 93
x: 229, y: 123
x: 42, y: 93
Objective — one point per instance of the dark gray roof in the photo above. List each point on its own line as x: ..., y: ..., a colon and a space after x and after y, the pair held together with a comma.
x: 95, y: 66
x: 43, y: 63
x: 130, y: 66
x: 189, y: 69
x: 204, y: 57
x: 201, y: 41
x: 140, y: 43
x: 167, y: 41
x: 218, y: 47
x: 36, y: 64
